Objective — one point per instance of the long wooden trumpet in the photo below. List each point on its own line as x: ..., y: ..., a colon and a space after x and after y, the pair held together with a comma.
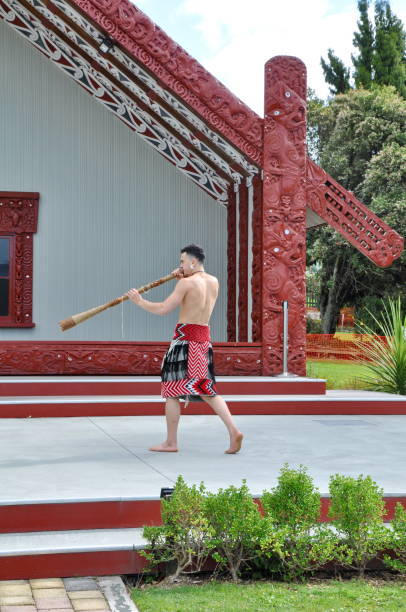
x: 87, y: 314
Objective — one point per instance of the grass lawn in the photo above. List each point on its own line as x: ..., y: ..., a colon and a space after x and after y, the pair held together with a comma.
x: 317, y: 596
x: 339, y: 374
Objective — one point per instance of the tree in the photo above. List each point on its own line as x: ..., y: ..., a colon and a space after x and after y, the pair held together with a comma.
x: 389, y: 62
x: 361, y: 143
x: 364, y: 41
x: 381, y: 53
x: 335, y: 73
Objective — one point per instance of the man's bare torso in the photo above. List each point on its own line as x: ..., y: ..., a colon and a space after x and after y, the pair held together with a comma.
x: 200, y: 298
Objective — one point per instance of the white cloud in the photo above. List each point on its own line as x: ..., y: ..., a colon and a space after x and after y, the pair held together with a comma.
x: 241, y: 36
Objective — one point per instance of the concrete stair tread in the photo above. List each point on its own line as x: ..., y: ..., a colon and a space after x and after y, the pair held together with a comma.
x: 88, y: 540
x: 143, y: 379
x: 335, y: 395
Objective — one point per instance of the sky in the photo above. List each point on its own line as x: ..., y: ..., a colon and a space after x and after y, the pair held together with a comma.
x: 234, y: 38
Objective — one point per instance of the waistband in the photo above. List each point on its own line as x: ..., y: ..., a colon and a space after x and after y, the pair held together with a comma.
x: 192, y: 332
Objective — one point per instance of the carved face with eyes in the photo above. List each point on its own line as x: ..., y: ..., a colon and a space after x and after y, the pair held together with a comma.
x: 285, y: 107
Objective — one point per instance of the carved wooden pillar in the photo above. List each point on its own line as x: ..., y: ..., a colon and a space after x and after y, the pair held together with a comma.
x: 243, y: 264
x: 231, y: 265
x: 284, y: 213
x: 256, y: 279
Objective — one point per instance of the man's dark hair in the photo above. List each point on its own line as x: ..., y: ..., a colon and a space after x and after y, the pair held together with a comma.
x: 195, y: 251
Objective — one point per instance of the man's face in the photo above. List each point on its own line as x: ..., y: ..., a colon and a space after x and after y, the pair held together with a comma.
x: 186, y: 262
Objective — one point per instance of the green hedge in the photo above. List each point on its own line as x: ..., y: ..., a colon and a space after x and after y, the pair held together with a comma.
x: 284, y: 538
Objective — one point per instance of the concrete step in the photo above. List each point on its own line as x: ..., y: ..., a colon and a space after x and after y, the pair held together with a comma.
x: 333, y: 402
x: 150, y: 385
x: 70, y: 553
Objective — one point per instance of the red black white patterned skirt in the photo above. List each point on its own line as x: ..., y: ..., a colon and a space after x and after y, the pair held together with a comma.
x: 187, y: 370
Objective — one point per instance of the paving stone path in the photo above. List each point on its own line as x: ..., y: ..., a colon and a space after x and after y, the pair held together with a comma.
x: 105, y: 594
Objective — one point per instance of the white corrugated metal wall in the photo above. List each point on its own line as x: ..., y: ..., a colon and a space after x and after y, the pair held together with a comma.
x: 113, y: 212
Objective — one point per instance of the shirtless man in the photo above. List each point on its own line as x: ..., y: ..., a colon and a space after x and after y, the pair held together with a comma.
x: 187, y: 368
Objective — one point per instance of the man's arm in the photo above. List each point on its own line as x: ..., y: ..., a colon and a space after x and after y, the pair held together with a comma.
x: 161, y: 308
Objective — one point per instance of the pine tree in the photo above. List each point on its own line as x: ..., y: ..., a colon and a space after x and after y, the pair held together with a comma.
x: 335, y: 73
x: 364, y: 41
x: 389, y: 62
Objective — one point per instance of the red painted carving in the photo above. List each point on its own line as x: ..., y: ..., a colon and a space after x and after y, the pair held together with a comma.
x: 284, y: 213
x: 256, y: 279
x: 18, y: 219
x: 360, y: 226
x: 18, y: 212
x: 243, y: 265
x: 231, y: 265
x: 135, y: 358
x: 178, y: 71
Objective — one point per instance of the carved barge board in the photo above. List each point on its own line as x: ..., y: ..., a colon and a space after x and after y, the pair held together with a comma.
x: 351, y: 218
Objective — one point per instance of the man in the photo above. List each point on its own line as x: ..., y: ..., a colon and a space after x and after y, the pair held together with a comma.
x: 187, y: 369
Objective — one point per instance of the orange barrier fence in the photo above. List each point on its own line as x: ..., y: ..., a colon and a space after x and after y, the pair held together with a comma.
x: 337, y: 346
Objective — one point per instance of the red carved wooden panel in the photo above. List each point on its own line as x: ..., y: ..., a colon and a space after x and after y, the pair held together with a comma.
x: 231, y: 265
x: 243, y: 265
x: 135, y: 358
x: 18, y: 220
x: 284, y: 213
x: 352, y: 219
x: 256, y: 277
x: 177, y: 70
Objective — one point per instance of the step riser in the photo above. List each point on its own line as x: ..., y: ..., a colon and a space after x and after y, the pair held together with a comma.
x: 101, y: 563
x: 305, y: 407
x: 154, y: 388
x: 107, y: 515
x: 81, y: 515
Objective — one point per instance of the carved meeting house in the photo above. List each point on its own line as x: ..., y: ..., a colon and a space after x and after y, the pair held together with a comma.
x: 256, y: 167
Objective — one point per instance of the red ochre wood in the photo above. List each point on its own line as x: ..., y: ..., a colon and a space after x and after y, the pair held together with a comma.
x: 243, y: 265
x: 178, y: 71
x: 133, y: 358
x: 256, y: 280
x: 352, y: 219
x: 253, y: 407
x: 284, y: 213
x: 19, y: 219
x: 231, y: 265
x: 62, y: 565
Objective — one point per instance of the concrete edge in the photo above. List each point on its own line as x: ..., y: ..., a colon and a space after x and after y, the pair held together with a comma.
x: 116, y: 594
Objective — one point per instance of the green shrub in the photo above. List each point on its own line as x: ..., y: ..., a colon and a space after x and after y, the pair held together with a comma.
x: 386, y: 361
x: 369, y: 310
x: 238, y: 528
x: 304, y: 545
x: 294, y: 502
x: 184, y: 533
x: 397, y: 541
x: 357, y: 510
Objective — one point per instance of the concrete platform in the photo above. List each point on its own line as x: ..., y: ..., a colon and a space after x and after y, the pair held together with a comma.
x: 75, y: 492
x: 106, y: 458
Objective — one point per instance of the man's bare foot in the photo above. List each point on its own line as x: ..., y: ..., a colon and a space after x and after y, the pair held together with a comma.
x: 235, y: 444
x: 164, y: 448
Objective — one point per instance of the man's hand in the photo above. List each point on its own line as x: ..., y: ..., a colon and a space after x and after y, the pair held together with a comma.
x: 134, y: 296
x: 178, y: 272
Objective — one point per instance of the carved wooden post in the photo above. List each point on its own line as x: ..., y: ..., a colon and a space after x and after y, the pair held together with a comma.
x: 256, y: 279
x: 284, y: 213
x: 231, y: 265
x: 243, y: 264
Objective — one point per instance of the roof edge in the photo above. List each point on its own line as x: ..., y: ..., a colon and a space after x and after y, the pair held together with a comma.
x: 135, y: 32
